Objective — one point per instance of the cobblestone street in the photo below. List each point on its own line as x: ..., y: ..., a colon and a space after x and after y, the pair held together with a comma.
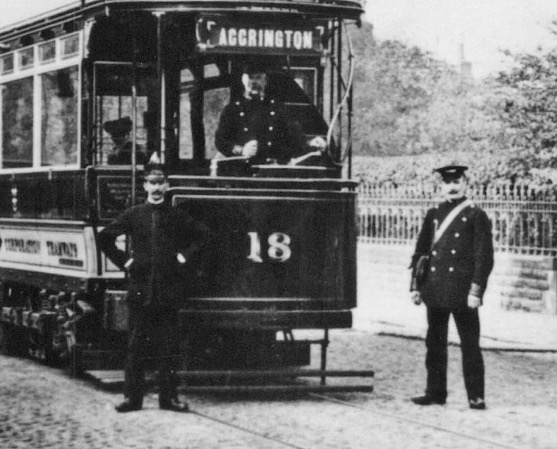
x: 43, y: 408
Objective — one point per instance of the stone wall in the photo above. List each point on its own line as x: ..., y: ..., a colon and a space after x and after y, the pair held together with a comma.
x: 518, y: 282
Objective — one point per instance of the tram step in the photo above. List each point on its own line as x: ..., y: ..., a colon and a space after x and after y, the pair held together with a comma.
x: 223, y: 381
x: 278, y: 389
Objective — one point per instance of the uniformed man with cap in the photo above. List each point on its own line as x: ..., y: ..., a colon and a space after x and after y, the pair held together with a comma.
x: 456, y: 235
x: 257, y: 126
x: 165, y: 241
x: 121, y: 153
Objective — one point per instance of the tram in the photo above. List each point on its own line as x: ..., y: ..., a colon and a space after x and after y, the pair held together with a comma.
x: 283, y: 252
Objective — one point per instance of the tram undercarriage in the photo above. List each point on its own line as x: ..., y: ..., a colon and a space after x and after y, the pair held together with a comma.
x: 62, y: 329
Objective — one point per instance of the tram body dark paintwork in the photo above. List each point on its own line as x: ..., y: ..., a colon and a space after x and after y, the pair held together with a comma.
x: 283, y: 252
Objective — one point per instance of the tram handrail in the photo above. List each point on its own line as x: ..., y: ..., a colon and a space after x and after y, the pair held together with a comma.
x: 347, y: 90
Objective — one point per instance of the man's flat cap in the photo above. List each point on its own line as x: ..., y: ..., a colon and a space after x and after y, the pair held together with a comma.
x: 451, y: 171
x: 119, y: 127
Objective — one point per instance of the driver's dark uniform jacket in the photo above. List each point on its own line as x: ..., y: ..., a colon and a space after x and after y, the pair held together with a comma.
x: 461, y: 262
x: 157, y: 285
x: 265, y: 120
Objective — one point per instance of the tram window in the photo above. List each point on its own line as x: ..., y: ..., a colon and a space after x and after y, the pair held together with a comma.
x: 119, y: 107
x: 210, y: 70
x: 47, y: 52
x: 214, y: 102
x: 114, y: 100
x: 59, y: 117
x: 70, y: 46
x: 26, y: 58
x: 7, y: 64
x: 17, y: 124
x: 185, y: 131
x: 186, y: 138
x: 305, y: 78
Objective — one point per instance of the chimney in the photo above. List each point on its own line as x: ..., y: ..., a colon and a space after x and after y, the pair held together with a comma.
x: 465, y: 68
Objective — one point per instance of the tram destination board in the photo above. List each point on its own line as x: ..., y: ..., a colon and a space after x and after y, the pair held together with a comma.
x: 225, y: 34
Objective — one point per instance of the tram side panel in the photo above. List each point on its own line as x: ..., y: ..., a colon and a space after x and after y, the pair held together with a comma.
x: 280, y: 248
x: 50, y: 291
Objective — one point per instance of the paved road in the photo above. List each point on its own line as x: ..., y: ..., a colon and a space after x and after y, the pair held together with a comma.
x: 41, y: 408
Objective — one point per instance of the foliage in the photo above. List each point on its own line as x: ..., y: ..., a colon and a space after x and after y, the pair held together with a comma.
x: 410, y: 103
x: 422, y: 114
x: 528, y: 95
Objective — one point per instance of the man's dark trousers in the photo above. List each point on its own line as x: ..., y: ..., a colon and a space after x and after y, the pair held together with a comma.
x: 154, y: 333
x: 468, y: 327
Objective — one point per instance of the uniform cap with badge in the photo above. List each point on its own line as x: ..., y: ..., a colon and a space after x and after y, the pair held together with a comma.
x: 154, y: 169
x: 449, y: 172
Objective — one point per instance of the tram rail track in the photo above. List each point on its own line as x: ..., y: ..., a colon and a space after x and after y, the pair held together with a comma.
x: 485, y: 442
x: 414, y: 421
x: 245, y: 429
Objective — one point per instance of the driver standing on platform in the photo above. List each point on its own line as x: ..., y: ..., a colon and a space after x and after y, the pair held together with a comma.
x: 258, y: 127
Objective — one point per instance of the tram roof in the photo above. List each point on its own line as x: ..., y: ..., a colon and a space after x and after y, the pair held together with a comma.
x: 347, y: 9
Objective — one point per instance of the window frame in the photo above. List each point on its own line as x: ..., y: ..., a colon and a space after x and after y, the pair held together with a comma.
x: 36, y: 70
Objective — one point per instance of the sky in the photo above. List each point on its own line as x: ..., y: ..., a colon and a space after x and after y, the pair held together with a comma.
x: 482, y: 27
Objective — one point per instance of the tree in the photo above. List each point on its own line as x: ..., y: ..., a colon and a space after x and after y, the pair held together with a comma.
x: 410, y: 103
x: 528, y: 97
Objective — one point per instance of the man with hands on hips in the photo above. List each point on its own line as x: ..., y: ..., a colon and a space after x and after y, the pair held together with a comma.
x: 166, y: 241
x: 457, y: 236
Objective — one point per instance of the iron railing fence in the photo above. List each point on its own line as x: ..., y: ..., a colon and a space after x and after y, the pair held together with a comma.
x: 524, y: 217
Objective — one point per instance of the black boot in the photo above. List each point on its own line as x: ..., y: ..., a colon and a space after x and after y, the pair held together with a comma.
x: 427, y: 400
x: 174, y: 405
x: 128, y: 406
x: 477, y: 404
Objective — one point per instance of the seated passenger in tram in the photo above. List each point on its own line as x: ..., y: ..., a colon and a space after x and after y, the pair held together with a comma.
x: 121, y: 153
x: 258, y: 127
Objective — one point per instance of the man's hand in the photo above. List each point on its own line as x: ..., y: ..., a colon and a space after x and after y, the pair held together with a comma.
x: 250, y: 149
x: 416, y: 297
x: 128, y: 264
x: 318, y: 143
x: 474, y: 301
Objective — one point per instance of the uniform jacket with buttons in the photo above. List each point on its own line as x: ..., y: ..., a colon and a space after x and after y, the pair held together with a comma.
x: 158, y: 233
x: 461, y: 260
x: 265, y: 120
